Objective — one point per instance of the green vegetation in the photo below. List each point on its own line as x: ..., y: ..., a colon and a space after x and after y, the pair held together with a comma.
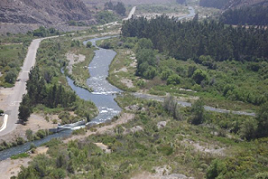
x: 80, y: 72
x: 161, y: 8
x: 43, y: 32
x: 256, y: 15
x: 76, y: 23
x: 219, y: 70
x: 47, y: 86
x: 180, y: 145
x: 214, y: 3
x: 13, y: 51
x: 191, y: 39
x: 21, y: 155
x: 122, y: 66
x: 19, y: 140
x: 104, y: 17
x: 119, y: 8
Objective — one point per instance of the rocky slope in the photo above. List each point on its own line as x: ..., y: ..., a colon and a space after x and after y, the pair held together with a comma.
x: 231, y: 4
x: 243, y: 3
x: 24, y: 15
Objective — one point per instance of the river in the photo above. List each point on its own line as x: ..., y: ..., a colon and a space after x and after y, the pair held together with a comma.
x: 103, y: 96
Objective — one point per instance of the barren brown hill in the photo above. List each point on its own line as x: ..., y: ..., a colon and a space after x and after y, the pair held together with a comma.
x: 24, y: 15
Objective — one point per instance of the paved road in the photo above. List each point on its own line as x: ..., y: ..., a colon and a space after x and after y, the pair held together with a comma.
x: 19, y: 89
x: 131, y: 13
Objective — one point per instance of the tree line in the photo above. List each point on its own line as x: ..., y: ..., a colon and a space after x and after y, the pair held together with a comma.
x: 219, y: 4
x: 41, y: 92
x: 256, y: 15
x: 191, y: 39
x: 119, y: 8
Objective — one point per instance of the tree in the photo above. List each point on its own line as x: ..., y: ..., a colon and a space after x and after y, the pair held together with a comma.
x: 199, y: 76
x: 172, y: 107
x: 11, y: 77
x: 89, y: 44
x: 174, y: 79
x: 248, y: 129
x: 144, y: 43
x: 25, y: 109
x: 262, y: 118
x: 198, y: 112
x: 120, y: 8
x: 216, y: 168
x: 146, y: 63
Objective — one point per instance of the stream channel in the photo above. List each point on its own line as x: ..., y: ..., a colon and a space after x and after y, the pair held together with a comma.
x: 103, y: 97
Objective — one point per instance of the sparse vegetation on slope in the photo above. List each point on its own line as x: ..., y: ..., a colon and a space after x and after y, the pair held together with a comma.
x: 151, y: 140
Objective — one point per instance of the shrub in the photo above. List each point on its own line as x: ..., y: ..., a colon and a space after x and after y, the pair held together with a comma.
x: 261, y: 175
x: 262, y: 118
x: 29, y: 134
x: 198, y: 112
x: 22, y: 155
x: 216, y: 169
x: 89, y: 44
x: 248, y: 129
x: 173, y: 80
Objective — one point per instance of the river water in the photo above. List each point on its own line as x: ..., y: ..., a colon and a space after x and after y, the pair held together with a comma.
x: 103, y: 96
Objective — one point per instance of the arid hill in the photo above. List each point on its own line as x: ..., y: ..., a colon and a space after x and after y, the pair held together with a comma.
x: 24, y: 15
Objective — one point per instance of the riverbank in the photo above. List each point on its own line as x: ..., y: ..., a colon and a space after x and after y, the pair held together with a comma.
x: 11, y: 167
x: 34, y: 123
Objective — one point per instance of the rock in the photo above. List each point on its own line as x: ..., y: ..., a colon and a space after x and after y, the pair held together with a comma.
x: 161, y: 124
x: 136, y: 129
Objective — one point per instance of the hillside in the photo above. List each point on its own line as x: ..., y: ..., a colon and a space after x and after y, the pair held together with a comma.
x: 24, y: 15
x: 231, y: 4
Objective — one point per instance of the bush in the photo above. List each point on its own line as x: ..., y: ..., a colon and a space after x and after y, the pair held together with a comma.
x: 11, y: 77
x: 199, y: 76
x: 22, y: 155
x: 173, y: 80
x: 216, y: 169
x: 29, y: 134
x: 20, y: 141
x: 262, y: 118
x: 248, y: 129
x: 198, y: 112
x: 89, y: 44
x: 261, y: 175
